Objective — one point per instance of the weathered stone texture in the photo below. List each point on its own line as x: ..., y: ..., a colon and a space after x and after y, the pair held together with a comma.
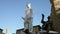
x: 55, y: 14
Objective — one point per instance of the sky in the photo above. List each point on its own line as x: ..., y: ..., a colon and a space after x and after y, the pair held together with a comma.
x: 12, y: 11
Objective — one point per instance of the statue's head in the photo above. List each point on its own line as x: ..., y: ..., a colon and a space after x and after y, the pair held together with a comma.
x: 51, y: 1
x: 28, y: 5
x: 48, y: 17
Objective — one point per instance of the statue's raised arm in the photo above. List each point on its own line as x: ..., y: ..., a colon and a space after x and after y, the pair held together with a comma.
x: 42, y: 21
x: 42, y: 16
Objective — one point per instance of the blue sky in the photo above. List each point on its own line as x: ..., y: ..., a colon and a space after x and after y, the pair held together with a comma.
x: 11, y: 12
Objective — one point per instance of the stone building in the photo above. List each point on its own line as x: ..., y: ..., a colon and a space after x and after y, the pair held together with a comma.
x: 35, y: 30
x: 20, y: 31
x: 1, y: 31
x: 55, y: 14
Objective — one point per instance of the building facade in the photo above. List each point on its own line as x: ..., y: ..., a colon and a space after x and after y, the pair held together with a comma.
x: 36, y: 29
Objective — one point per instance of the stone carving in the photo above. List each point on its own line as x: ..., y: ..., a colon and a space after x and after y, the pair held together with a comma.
x: 55, y: 14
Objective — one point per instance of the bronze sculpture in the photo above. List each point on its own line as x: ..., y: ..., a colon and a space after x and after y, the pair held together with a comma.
x: 47, y: 25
